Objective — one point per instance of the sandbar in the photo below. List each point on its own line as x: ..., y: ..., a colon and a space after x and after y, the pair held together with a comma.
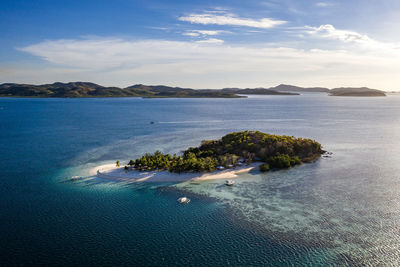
x: 111, y: 172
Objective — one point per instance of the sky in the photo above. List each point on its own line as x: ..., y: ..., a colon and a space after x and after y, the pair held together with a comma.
x: 202, y: 44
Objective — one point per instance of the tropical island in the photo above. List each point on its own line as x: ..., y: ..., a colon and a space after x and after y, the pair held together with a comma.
x: 223, y: 158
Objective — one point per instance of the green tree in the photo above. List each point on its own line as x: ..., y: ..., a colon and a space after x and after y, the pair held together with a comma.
x: 264, y: 167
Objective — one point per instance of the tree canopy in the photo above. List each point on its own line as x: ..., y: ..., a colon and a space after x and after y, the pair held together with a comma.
x: 276, y: 151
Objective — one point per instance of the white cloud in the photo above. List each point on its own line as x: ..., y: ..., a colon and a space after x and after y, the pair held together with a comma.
x: 209, y: 32
x: 202, y: 32
x: 351, y: 37
x: 231, y: 19
x: 193, y: 34
x: 329, y: 31
x: 211, y: 41
x: 202, y: 64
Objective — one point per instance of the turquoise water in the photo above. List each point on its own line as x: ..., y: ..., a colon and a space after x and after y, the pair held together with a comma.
x: 342, y: 210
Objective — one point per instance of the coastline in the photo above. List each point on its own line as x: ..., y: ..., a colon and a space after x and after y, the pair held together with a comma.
x: 113, y: 173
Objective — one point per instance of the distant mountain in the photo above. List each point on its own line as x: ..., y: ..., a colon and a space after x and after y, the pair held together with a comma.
x: 255, y: 91
x: 351, y: 91
x: 157, y: 88
x: 292, y: 88
x: 167, y: 91
x: 87, y: 89
x: 280, y: 89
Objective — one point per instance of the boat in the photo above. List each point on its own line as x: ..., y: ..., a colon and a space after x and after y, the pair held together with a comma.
x: 183, y: 200
x: 152, y: 122
x: 229, y: 182
x: 75, y: 178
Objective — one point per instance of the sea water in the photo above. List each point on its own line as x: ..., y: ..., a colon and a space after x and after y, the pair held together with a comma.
x: 342, y: 210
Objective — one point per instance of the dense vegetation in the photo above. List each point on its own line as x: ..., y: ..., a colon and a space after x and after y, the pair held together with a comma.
x: 234, y: 149
x: 85, y: 89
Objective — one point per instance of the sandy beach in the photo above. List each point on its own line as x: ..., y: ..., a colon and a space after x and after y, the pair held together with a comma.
x: 111, y: 172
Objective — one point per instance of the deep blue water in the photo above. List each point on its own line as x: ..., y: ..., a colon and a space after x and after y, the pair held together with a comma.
x: 342, y: 210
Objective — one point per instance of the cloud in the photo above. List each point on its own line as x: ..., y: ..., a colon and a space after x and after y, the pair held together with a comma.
x: 195, y: 33
x: 230, y: 19
x: 351, y: 37
x: 209, y: 32
x: 324, y: 4
x: 329, y: 31
x: 211, y: 41
x: 211, y: 64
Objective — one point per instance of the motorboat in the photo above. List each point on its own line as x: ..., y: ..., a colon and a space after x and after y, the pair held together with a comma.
x: 183, y: 200
x: 229, y: 182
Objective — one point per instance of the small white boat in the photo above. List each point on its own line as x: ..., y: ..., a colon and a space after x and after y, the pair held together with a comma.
x: 229, y: 182
x: 183, y: 200
x: 75, y: 178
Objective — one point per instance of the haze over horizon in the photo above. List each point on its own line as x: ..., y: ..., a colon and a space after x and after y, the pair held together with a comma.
x: 207, y: 44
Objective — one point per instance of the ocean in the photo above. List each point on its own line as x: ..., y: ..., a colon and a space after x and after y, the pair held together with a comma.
x: 341, y: 210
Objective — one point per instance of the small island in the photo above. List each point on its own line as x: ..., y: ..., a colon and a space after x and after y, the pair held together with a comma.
x: 350, y: 91
x: 214, y: 159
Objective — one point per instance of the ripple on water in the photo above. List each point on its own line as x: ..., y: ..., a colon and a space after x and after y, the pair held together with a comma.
x: 306, y: 206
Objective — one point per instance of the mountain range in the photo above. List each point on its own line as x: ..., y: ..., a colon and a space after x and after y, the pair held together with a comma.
x: 87, y: 89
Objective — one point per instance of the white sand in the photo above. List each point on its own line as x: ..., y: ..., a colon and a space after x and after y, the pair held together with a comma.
x: 111, y: 172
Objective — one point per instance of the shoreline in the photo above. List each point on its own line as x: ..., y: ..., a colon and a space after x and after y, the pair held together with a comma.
x: 113, y: 173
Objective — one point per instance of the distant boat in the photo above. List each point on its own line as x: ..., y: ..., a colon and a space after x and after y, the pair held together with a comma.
x: 152, y: 122
x: 183, y: 200
x: 75, y: 178
x: 229, y: 182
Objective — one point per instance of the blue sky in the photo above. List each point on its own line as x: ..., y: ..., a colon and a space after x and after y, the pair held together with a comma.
x: 202, y: 44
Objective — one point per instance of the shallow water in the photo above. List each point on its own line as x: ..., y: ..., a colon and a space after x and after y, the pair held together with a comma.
x: 342, y: 210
